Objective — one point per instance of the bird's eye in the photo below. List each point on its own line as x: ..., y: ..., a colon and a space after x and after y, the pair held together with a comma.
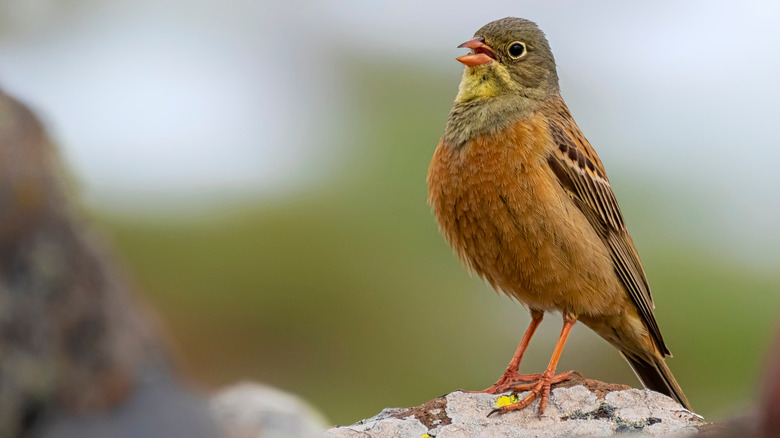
x: 517, y: 49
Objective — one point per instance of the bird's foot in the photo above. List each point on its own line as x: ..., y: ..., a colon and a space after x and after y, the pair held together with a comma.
x: 508, y: 381
x: 540, y: 389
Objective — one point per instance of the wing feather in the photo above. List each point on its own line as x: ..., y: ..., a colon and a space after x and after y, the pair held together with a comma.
x: 582, y: 175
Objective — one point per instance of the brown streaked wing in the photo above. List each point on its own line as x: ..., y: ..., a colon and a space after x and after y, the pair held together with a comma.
x: 582, y: 175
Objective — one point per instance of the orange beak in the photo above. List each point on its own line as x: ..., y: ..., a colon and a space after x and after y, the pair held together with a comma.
x: 480, y: 54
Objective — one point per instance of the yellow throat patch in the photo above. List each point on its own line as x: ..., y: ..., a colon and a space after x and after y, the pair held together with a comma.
x: 484, y: 81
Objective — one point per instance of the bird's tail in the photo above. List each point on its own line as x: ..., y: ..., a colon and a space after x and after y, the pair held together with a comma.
x: 655, y: 375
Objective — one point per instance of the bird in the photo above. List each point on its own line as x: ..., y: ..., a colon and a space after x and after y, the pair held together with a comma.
x: 525, y: 202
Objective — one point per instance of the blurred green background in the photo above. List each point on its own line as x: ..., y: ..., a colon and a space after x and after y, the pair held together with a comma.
x: 326, y: 275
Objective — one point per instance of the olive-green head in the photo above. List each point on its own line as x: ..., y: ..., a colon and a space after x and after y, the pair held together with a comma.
x: 510, y: 56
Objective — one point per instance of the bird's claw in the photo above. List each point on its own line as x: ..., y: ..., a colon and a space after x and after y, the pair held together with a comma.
x: 507, y: 383
x: 541, y: 389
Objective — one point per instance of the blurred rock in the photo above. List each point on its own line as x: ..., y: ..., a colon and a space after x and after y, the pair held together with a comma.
x: 250, y: 410
x: 578, y: 408
x: 762, y: 421
x: 157, y: 407
x: 769, y: 413
x: 78, y: 355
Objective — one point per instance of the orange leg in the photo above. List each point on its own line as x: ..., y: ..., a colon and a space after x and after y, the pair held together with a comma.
x: 511, y: 376
x: 542, y: 387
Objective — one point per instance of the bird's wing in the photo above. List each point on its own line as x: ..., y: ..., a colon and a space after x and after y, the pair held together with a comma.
x: 582, y: 175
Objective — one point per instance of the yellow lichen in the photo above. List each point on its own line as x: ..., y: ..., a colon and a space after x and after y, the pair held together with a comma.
x: 506, y: 400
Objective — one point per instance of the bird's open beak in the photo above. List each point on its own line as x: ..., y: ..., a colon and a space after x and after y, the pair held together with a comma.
x: 480, y: 54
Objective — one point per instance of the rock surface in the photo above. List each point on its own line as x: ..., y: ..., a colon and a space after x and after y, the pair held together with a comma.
x: 578, y: 408
x: 253, y: 410
x: 79, y: 355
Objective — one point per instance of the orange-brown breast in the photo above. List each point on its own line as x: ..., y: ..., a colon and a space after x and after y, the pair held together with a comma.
x: 503, y: 211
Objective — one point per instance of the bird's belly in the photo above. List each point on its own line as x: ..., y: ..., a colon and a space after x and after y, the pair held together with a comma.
x: 519, y: 231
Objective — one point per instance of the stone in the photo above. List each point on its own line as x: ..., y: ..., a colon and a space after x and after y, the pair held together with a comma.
x: 249, y: 410
x: 79, y: 354
x: 577, y: 408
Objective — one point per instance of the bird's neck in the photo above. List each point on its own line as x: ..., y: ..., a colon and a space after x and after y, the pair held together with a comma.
x: 473, y: 118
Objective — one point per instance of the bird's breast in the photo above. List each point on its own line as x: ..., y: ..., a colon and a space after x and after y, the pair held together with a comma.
x: 499, y: 206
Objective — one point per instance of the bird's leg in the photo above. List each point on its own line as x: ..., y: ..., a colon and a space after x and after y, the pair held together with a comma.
x: 542, y: 387
x: 511, y: 376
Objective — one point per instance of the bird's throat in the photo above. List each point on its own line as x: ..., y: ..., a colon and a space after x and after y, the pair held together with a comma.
x: 476, y: 117
x: 484, y: 82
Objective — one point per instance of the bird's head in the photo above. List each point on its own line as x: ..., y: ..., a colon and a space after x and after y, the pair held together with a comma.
x: 509, y: 56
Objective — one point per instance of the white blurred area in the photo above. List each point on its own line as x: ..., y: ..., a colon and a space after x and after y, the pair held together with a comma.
x: 197, y: 101
x: 159, y: 101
